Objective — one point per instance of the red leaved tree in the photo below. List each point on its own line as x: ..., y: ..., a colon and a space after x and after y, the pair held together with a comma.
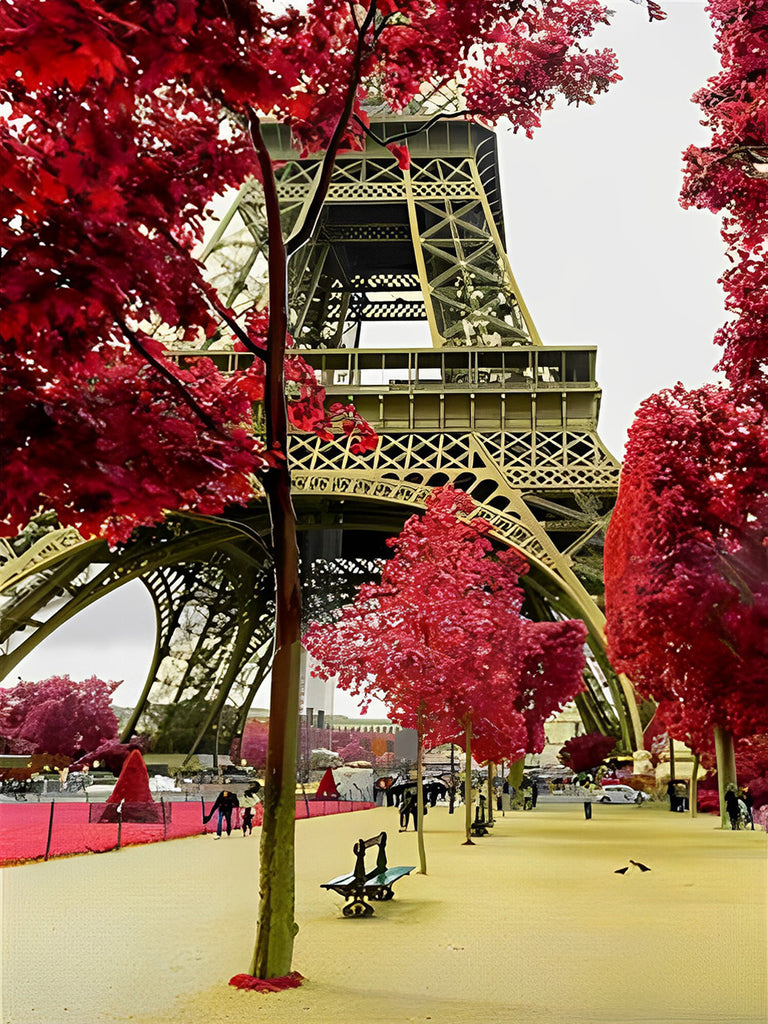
x: 686, y: 565
x: 57, y: 716
x: 686, y: 568
x: 441, y: 641
x: 730, y: 175
x: 252, y: 748
x: 355, y: 751
x: 112, y: 754
x: 585, y: 753
x: 122, y: 122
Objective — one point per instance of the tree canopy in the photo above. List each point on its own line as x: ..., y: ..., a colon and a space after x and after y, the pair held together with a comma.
x: 442, y: 642
x: 57, y: 716
x: 686, y: 562
x: 121, y: 123
x: 730, y: 176
x: 686, y: 571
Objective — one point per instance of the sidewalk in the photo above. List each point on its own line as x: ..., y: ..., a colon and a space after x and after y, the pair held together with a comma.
x: 531, y: 925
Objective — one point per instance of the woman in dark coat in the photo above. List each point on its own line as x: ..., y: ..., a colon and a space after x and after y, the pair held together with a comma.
x: 732, y: 806
x: 224, y: 803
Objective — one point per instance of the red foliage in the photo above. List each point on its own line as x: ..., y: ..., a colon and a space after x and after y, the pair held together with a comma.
x: 686, y: 561
x: 251, y: 984
x: 121, y: 123
x: 442, y: 642
x: 584, y: 753
x: 57, y: 716
x: 112, y: 755
x: 731, y: 176
x: 752, y: 758
x: 253, y: 746
x: 355, y: 751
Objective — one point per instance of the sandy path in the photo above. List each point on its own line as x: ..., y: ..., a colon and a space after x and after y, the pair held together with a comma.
x: 530, y: 925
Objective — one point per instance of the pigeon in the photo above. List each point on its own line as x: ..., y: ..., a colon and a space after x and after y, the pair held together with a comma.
x: 632, y: 863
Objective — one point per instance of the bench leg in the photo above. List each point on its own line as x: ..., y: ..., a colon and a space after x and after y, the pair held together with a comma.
x: 385, y: 893
x: 358, y: 908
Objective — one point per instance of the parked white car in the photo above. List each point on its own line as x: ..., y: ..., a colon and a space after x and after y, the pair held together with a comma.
x: 620, y: 795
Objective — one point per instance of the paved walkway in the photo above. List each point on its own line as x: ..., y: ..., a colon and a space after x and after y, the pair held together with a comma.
x: 530, y: 925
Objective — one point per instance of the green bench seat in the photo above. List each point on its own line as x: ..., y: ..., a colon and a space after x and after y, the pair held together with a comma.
x: 361, y: 886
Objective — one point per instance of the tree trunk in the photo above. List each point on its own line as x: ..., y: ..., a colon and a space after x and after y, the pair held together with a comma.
x: 468, y: 786
x: 671, y: 759
x: 276, y: 928
x: 726, y: 769
x: 693, y: 794
x: 516, y: 770
x: 420, y: 804
x: 489, y: 783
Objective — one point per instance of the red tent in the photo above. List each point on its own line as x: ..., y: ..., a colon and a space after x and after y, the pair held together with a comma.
x: 133, y: 792
x: 327, y: 788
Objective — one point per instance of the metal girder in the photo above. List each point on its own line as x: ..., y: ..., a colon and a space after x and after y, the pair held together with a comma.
x: 203, y: 568
x: 487, y: 408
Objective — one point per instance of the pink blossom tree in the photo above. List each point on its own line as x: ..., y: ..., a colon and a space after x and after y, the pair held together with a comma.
x: 442, y: 642
x: 57, y: 716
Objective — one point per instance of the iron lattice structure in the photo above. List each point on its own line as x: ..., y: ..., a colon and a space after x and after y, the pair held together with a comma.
x: 211, y: 588
x: 485, y: 406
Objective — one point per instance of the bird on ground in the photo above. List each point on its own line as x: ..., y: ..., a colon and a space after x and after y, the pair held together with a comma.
x: 632, y: 864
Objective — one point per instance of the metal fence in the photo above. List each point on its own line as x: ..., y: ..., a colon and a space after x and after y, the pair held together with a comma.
x: 38, y: 830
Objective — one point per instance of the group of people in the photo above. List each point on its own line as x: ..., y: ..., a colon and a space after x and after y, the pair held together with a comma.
x: 227, y: 802
x: 394, y: 793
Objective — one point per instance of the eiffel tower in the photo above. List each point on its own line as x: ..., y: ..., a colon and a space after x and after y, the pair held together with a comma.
x: 459, y: 387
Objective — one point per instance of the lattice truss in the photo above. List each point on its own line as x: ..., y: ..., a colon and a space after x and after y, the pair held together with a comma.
x: 469, y: 285
x: 419, y: 246
x: 212, y: 593
x: 215, y: 622
x: 391, y: 246
x: 577, y: 476
x: 329, y: 584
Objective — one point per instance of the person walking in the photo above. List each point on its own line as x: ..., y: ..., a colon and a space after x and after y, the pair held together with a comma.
x: 732, y: 806
x: 248, y: 801
x: 746, y: 796
x: 672, y: 794
x: 407, y: 809
x: 225, y: 803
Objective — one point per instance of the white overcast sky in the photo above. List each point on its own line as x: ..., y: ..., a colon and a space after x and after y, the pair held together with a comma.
x: 603, y: 255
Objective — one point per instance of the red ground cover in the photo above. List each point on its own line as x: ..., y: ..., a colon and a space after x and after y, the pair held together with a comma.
x: 24, y: 826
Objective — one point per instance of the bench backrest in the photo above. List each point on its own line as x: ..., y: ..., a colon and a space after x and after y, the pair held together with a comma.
x: 359, y: 850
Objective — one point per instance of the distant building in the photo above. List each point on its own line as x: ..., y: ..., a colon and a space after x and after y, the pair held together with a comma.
x: 364, y: 724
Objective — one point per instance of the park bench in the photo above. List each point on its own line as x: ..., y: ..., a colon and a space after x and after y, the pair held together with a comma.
x: 361, y: 885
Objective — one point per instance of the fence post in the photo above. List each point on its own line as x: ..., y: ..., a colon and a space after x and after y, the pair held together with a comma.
x: 119, y: 822
x: 50, y: 831
x: 165, y: 826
